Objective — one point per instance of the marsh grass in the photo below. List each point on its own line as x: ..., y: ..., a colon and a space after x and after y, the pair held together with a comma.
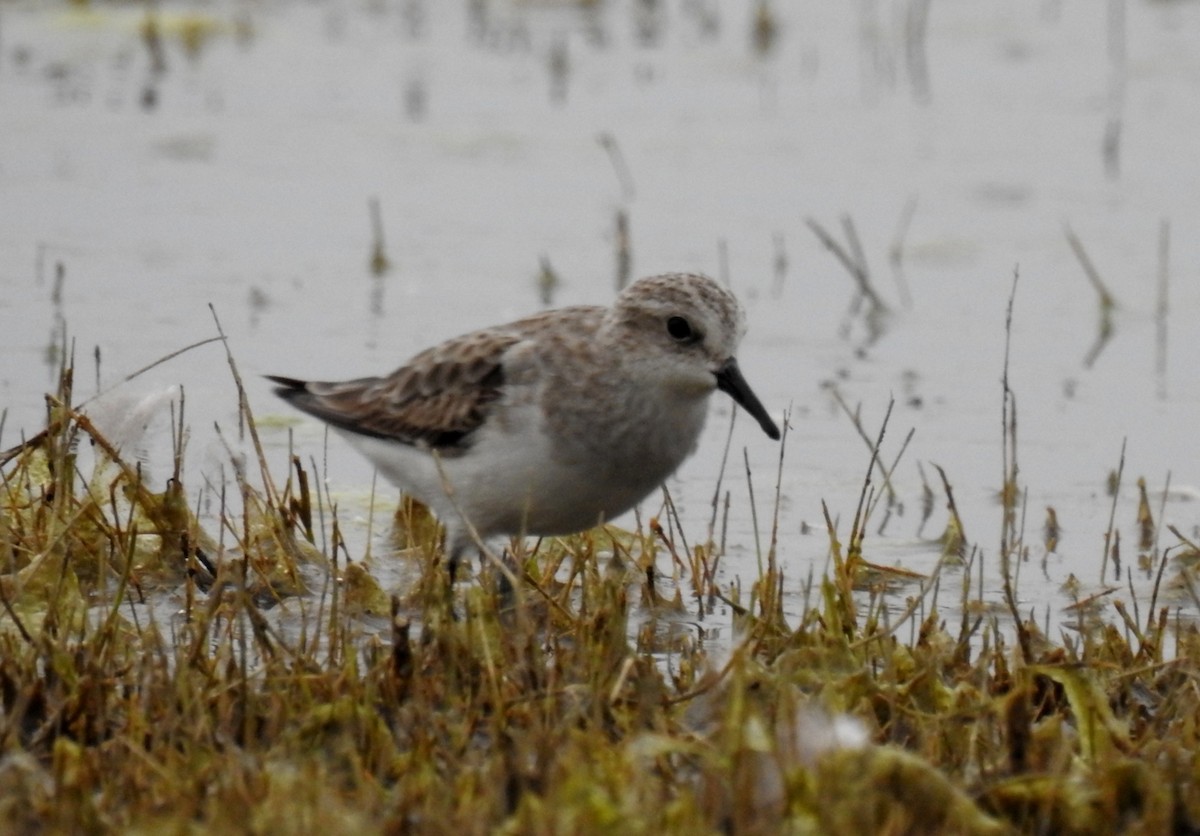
x: 156, y: 676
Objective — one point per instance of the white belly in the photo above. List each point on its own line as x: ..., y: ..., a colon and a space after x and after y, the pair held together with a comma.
x: 517, y: 479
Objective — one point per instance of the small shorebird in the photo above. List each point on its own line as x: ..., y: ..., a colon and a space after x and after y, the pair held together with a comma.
x: 551, y: 424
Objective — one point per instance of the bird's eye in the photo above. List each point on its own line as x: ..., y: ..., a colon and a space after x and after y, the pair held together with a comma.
x: 679, y: 329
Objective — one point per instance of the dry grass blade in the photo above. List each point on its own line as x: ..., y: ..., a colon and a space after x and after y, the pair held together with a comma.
x: 1010, y: 538
x: 1112, y: 514
x: 856, y: 420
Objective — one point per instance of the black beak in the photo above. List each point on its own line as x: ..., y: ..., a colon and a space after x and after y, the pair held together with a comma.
x: 730, y: 380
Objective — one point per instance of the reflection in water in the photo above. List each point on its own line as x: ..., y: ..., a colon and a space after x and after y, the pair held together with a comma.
x: 379, y: 265
x: 624, y: 176
x: 416, y: 99
x: 257, y: 302
x: 706, y: 15
x: 56, y: 347
x: 414, y: 15
x: 152, y: 40
x: 1103, y: 334
x: 595, y: 34
x: 765, y: 30
x: 649, y: 18
x: 375, y: 305
x: 1164, y: 277
x: 1110, y: 145
x: 559, y: 65
x: 1105, y: 298
x: 896, y: 250
x: 916, y: 26
x: 477, y: 19
x: 624, y: 250
x: 547, y: 282
x: 866, y: 304
x: 379, y: 261
x: 780, y: 263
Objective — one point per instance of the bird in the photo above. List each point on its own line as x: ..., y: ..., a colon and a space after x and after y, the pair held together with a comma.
x: 551, y: 424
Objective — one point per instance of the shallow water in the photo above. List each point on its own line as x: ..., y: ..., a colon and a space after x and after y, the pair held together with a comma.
x: 241, y: 177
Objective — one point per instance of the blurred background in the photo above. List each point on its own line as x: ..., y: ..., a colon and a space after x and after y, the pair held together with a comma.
x: 344, y: 182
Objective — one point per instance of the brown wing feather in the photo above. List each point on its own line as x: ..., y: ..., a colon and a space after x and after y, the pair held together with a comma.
x: 436, y: 400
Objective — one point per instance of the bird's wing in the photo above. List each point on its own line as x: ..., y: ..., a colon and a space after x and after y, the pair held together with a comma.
x: 435, y: 401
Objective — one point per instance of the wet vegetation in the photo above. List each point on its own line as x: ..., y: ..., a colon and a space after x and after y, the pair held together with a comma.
x: 159, y: 676
x: 190, y: 658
